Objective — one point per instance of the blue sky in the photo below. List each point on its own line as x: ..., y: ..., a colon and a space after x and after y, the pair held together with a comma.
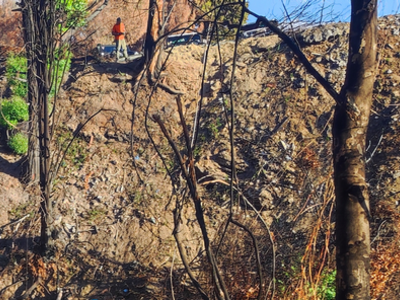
x: 273, y: 9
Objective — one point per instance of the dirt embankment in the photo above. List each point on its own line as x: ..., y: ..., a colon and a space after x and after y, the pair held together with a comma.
x: 115, y: 197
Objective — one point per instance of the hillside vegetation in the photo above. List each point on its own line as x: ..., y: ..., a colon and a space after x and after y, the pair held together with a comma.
x: 120, y: 195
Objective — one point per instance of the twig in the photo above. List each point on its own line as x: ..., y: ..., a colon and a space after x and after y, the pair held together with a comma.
x: 378, y: 231
x: 300, y: 55
x: 60, y: 294
x: 376, y: 147
x: 199, y: 211
x: 171, y: 279
x: 177, y: 217
x: 9, y: 286
x: 232, y: 111
x: 266, y: 226
x: 191, y: 181
x: 14, y: 222
x: 257, y: 252
x: 30, y: 290
x: 196, y: 123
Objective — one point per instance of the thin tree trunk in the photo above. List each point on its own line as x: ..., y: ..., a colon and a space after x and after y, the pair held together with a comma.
x: 38, y: 21
x: 151, y: 33
x: 44, y: 144
x: 44, y: 23
x: 152, y: 51
x: 31, y: 166
x: 349, y: 136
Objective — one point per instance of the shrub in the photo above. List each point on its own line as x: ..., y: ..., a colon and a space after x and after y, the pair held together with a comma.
x: 18, y: 143
x: 75, y: 12
x: 16, y: 74
x: 227, y: 13
x: 327, y: 289
x: 13, y: 111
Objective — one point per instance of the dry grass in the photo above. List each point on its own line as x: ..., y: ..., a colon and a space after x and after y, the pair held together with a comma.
x: 385, y: 256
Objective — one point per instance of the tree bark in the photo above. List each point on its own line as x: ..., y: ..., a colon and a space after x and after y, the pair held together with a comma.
x: 152, y: 51
x: 151, y: 33
x: 38, y: 21
x: 349, y: 140
x: 44, y: 56
x: 31, y: 166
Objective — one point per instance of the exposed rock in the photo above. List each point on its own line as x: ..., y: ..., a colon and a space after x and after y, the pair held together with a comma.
x: 321, y: 33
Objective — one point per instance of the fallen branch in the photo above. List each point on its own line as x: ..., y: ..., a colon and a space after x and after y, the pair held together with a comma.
x: 373, y: 152
x: 30, y: 290
x: 14, y: 222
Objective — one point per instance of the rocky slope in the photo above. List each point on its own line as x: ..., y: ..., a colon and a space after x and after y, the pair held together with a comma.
x: 116, y: 193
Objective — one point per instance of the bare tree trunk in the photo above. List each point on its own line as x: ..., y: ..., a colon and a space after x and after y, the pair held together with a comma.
x: 349, y: 136
x: 151, y: 32
x: 152, y: 51
x: 38, y: 27
x: 349, y: 139
x: 44, y: 56
x: 31, y: 166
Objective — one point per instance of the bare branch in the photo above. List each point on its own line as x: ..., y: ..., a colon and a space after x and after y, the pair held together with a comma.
x: 301, y: 56
x: 257, y: 252
x: 183, y: 254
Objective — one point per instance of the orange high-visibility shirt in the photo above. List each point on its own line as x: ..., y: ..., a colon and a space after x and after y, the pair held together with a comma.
x: 118, y: 28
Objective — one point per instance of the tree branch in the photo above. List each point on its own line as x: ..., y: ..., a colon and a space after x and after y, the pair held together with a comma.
x: 300, y: 55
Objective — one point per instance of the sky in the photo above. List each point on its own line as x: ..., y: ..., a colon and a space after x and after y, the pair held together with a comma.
x: 340, y: 9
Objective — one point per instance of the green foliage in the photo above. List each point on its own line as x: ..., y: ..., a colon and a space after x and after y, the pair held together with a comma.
x: 215, y: 127
x: 229, y: 14
x: 61, y: 65
x: 18, y: 143
x: 327, y: 288
x: 75, y: 12
x: 16, y: 71
x: 95, y: 213
x: 13, y: 111
x: 197, y: 152
x: 16, y: 74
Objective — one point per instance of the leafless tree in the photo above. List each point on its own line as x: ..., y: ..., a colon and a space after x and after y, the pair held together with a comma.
x: 38, y: 22
x: 352, y: 112
x: 350, y: 124
x: 349, y: 144
x: 42, y: 37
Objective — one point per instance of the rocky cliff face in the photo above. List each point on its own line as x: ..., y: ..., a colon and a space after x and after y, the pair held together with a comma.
x: 116, y: 196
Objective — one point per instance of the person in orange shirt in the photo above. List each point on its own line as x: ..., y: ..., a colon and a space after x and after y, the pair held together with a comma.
x: 118, y: 32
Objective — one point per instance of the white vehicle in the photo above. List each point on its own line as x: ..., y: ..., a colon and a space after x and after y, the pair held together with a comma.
x: 256, y: 29
x: 184, y: 39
